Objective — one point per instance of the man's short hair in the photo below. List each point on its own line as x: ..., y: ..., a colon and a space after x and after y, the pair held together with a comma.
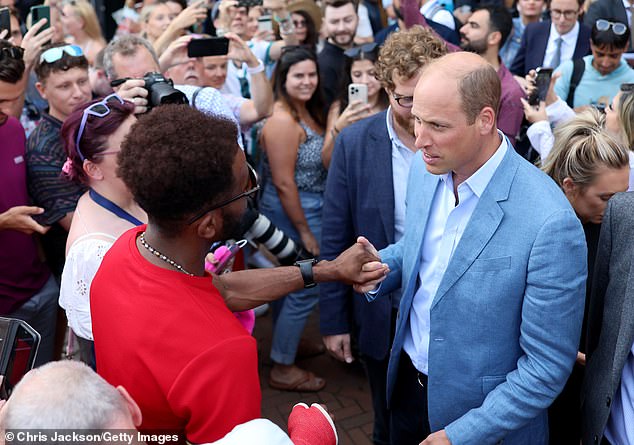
x: 125, y: 46
x: 43, y: 69
x: 64, y: 395
x: 500, y: 20
x: 339, y: 4
x: 405, y: 52
x: 608, y: 39
x: 176, y: 161
x: 11, y: 68
x: 478, y: 89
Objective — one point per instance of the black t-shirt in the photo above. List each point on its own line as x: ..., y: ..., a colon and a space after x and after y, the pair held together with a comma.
x: 331, y: 62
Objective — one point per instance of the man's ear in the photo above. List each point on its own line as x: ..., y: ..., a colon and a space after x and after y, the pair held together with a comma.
x: 133, y: 408
x: 486, y: 120
x: 495, y: 38
x: 209, y: 225
x: 41, y: 89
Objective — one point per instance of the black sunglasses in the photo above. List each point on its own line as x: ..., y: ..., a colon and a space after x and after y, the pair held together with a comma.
x: 368, y: 48
x: 254, y: 185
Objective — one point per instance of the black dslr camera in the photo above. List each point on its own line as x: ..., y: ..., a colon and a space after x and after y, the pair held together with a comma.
x: 161, y: 91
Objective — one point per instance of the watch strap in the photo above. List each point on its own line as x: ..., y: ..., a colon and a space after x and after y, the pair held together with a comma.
x: 306, y: 269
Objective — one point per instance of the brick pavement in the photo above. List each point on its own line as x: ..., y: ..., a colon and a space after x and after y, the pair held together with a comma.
x: 347, y: 394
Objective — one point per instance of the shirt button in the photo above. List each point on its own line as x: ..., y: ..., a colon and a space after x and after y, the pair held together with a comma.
x: 596, y: 439
x: 608, y: 401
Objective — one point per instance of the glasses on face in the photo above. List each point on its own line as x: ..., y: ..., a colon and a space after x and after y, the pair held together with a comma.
x: 98, y: 109
x: 618, y: 28
x: 254, y: 187
x: 52, y: 55
x: 568, y: 15
x: 403, y: 101
x: 299, y: 23
x: 353, y: 53
x: 11, y: 52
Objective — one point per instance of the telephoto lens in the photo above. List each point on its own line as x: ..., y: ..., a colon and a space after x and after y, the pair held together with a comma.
x: 263, y: 231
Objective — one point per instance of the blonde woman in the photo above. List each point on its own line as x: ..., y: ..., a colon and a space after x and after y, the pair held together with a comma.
x: 154, y: 20
x: 82, y: 27
x: 619, y: 121
x: 590, y: 165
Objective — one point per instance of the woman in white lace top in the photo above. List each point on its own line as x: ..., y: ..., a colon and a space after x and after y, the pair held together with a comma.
x: 92, y: 139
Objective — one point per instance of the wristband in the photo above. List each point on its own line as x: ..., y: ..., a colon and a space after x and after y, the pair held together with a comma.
x: 306, y: 269
x: 257, y: 69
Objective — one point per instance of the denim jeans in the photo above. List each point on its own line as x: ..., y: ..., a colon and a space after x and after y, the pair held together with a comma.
x: 40, y: 311
x: 291, y: 312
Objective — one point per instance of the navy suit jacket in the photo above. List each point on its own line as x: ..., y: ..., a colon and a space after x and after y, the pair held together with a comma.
x: 359, y: 200
x: 533, y: 47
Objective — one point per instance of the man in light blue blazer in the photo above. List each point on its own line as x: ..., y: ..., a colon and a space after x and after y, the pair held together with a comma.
x: 492, y: 267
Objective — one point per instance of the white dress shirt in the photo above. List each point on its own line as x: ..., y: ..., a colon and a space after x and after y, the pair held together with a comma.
x: 567, y: 45
x: 446, y: 224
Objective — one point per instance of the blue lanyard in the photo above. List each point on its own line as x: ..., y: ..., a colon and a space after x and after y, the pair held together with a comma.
x: 112, y: 207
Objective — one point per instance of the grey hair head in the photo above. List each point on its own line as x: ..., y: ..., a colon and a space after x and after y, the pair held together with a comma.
x: 125, y: 46
x: 63, y: 395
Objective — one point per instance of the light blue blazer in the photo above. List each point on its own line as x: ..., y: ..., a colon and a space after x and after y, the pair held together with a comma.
x: 506, y: 319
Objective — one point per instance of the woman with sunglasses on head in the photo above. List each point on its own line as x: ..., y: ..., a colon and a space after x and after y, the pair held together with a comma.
x: 590, y: 166
x: 81, y: 27
x: 359, y: 69
x: 92, y: 137
x: 293, y: 184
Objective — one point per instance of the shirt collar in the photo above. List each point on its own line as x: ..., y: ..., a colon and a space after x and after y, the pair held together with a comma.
x: 429, y: 6
x: 570, y: 38
x: 390, y: 129
x: 479, y: 181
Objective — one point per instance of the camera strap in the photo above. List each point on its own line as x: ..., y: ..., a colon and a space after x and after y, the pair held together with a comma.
x: 113, y: 208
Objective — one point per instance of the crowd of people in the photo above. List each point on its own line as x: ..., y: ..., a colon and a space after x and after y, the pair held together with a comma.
x: 459, y: 221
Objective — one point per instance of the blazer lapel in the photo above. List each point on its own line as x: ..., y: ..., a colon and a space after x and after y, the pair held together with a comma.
x: 483, y: 223
x: 381, y: 173
x: 420, y: 195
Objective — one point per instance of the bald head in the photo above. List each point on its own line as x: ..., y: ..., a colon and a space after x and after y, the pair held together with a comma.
x: 477, y: 82
x: 69, y: 395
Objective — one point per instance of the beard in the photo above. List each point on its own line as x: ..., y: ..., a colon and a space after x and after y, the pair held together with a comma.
x: 233, y: 225
x: 475, y: 46
x: 341, y: 39
x: 405, y: 123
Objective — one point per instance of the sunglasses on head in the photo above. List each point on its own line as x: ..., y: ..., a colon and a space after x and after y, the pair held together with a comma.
x: 355, y: 52
x: 11, y: 52
x: 618, y: 28
x: 627, y: 87
x: 52, y: 55
x: 98, y: 109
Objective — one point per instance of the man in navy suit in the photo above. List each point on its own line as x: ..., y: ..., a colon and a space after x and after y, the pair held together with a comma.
x: 365, y: 195
x: 551, y: 42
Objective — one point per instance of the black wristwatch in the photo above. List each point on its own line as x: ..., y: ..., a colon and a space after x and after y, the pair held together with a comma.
x: 306, y: 268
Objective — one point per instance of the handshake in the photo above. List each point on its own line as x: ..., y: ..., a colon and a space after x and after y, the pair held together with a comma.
x: 359, y: 266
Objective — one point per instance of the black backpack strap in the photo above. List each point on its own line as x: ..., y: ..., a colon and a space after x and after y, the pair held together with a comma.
x: 578, y: 67
x: 195, y: 96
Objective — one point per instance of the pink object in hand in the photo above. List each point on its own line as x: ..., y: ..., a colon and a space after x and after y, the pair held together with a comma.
x: 311, y: 426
